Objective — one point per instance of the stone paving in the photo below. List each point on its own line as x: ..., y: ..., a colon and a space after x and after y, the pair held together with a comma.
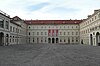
x: 49, y: 55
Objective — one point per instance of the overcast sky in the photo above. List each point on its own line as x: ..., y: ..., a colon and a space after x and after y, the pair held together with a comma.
x: 49, y: 9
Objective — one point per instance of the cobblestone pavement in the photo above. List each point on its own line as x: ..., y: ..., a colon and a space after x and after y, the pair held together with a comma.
x: 49, y: 55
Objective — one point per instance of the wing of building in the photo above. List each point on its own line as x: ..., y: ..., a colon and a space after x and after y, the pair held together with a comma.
x: 17, y: 31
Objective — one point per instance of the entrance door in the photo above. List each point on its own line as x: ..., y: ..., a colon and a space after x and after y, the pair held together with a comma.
x: 68, y: 40
x: 91, y: 39
x: 1, y: 38
x: 49, y: 40
x: 53, y: 40
x: 97, y: 38
x: 56, y: 40
x: 7, y: 39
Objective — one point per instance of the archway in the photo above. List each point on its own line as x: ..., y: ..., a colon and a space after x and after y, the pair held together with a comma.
x: 56, y: 40
x: 91, y: 39
x: 49, y: 40
x: 69, y: 40
x: 7, y: 39
x: 53, y: 40
x: 97, y: 38
x: 1, y: 39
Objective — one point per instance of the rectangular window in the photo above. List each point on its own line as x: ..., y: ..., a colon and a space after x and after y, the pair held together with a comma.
x: 1, y: 23
x: 41, y: 33
x: 7, y: 25
x: 45, y: 33
x: 76, y: 39
x: 16, y: 30
x: 37, y: 33
x: 11, y: 28
x: 60, y: 33
x: 72, y: 33
x: 29, y: 33
x: 76, y: 33
x: 64, y: 33
x: 33, y: 39
x: 68, y: 33
x: 33, y: 33
x: 72, y: 39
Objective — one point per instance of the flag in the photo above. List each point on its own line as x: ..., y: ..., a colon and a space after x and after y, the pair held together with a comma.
x: 49, y: 31
x: 52, y: 32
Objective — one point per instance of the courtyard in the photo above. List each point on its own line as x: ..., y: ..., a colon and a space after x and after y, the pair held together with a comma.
x: 49, y: 55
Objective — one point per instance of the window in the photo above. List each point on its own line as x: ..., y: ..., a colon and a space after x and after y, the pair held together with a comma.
x: 60, y: 33
x: 16, y: 30
x: 41, y: 26
x: 1, y: 23
x: 33, y: 33
x: 72, y: 26
x: 29, y: 33
x: 60, y: 40
x: 10, y: 38
x: 45, y: 33
x: 76, y: 26
x: 7, y: 25
x: 95, y: 17
x: 10, y: 28
x: 64, y: 40
x: 64, y: 33
x: 37, y: 33
x: 72, y: 39
x: 41, y: 33
x: 76, y: 33
x: 76, y: 39
x: 13, y: 38
x: 29, y: 40
x: 33, y: 39
x: 13, y: 29
x: 68, y: 26
x: 68, y: 33
x: 72, y: 33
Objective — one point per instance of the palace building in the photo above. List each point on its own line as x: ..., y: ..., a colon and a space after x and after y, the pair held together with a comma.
x: 17, y: 31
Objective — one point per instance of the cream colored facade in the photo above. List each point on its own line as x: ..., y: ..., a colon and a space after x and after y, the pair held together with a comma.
x: 90, y: 29
x: 11, y: 31
x: 67, y: 33
x: 16, y: 31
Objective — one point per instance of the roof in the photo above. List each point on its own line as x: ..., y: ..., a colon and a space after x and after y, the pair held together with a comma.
x: 16, y: 18
x: 15, y: 23
x: 31, y: 22
x: 4, y: 14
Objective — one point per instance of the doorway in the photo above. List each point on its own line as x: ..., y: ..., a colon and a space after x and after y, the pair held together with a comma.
x: 91, y: 39
x: 1, y: 38
x: 49, y: 40
x: 97, y: 39
x: 56, y: 40
x: 53, y: 40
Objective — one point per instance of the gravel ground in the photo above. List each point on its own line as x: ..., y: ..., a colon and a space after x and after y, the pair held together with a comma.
x: 49, y: 55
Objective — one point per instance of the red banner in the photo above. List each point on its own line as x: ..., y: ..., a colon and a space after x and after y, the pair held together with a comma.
x: 52, y: 32
x: 49, y: 31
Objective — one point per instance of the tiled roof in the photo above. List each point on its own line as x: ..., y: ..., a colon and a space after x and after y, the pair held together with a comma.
x: 31, y: 22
